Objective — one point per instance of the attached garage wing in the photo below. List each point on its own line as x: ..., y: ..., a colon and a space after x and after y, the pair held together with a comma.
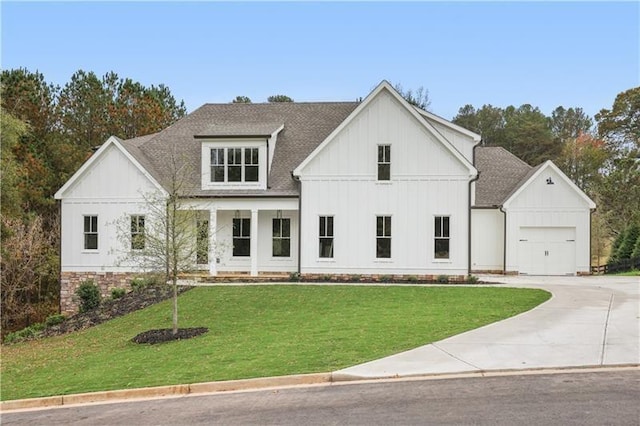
x: 547, y: 250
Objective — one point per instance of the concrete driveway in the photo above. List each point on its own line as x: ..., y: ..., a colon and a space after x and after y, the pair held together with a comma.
x: 589, y: 321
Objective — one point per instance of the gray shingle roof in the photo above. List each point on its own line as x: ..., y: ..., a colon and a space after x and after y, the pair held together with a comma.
x: 306, y: 125
x: 501, y: 173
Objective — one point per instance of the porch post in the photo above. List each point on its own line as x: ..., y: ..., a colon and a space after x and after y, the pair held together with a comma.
x: 254, y: 242
x: 213, y: 220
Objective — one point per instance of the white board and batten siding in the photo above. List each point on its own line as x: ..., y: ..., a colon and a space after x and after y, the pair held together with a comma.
x: 112, y: 188
x: 548, y: 226
x: 427, y: 180
x: 487, y: 241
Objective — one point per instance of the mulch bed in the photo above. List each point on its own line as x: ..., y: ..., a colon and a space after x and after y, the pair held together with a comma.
x: 162, y: 335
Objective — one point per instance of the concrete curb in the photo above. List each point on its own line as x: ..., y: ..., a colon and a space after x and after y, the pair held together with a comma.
x: 164, y: 391
x: 272, y: 382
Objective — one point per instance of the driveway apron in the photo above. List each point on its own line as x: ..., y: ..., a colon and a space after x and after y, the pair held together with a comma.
x: 589, y: 321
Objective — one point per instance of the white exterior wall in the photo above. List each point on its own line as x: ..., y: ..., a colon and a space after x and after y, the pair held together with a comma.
x: 426, y: 180
x: 543, y: 205
x: 463, y: 143
x: 112, y: 188
x: 487, y: 240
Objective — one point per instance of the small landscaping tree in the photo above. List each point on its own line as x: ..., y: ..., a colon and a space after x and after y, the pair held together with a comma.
x: 165, y: 239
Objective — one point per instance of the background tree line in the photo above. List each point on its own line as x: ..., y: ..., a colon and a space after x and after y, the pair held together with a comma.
x: 48, y: 131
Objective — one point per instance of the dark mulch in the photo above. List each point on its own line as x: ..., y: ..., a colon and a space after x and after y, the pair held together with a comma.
x: 166, y: 335
x: 110, y: 309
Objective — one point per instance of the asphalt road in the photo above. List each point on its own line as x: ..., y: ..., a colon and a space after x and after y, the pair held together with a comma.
x: 594, y: 398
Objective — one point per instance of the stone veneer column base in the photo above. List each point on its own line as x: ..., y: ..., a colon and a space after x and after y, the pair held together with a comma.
x: 106, y: 281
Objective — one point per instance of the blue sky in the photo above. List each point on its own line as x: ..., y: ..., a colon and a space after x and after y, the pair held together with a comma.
x: 501, y: 53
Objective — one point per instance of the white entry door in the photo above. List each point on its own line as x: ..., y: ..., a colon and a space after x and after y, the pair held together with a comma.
x: 547, y: 251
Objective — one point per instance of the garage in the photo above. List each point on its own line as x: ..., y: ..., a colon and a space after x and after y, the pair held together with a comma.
x: 547, y: 250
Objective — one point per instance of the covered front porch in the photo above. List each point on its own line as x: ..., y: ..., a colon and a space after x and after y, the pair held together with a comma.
x: 252, y: 236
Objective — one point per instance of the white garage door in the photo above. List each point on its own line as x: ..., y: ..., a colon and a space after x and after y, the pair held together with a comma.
x: 547, y: 251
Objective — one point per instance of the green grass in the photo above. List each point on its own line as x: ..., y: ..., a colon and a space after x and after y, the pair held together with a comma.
x: 632, y: 273
x: 255, y: 331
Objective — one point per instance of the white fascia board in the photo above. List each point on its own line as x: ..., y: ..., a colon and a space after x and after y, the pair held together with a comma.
x: 384, y: 85
x: 549, y: 164
x: 88, y: 164
x: 271, y: 143
x: 431, y: 116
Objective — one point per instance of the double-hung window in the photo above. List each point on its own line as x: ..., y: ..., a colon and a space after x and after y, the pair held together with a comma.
x: 241, y: 237
x: 137, y: 232
x: 383, y: 237
x: 384, y: 162
x: 251, y: 164
x: 234, y: 165
x: 91, y: 232
x: 281, y: 237
x: 217, y: 164
x: 326, y: 237
x: 441, y: 238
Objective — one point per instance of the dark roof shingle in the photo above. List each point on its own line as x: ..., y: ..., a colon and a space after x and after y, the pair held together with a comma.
x: 501, y: 173
x: 306, y: 125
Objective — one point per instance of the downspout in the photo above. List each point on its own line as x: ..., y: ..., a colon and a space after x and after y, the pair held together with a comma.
x: 504, y: 242
x: 473, y: 159
x: 297, y: 179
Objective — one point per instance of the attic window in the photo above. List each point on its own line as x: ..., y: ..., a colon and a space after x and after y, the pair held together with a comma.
x: 234, y: 165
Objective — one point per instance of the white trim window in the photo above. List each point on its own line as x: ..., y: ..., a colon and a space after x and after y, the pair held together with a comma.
x: 137, y: 232
x: 326, y: 237
x: 384, y: 162
x: 234, y: 165
x: 442, y: 237
x: 241, y: 237
x: 281, y: 237
x: 217, y: 164
x: 90, y: 232
x: 383, y: 237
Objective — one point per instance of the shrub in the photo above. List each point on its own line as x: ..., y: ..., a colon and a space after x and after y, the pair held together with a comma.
x: 614, y: 256
x: 385, y: 278
x: 354, y: 278
x: 294, y: 277
x: 31, y: 332
x: 89, y: 296
x: 140, y: 283
x: 117, y: 293
x: 636, y: 250
x: 472, y: 279
x: 630, y: 237
x: 443, y: 279
x: 54, y: 319
x: 326, y: 278
x: 412, y: 278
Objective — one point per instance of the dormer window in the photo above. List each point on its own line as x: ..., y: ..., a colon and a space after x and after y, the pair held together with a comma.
x: 234, y: 165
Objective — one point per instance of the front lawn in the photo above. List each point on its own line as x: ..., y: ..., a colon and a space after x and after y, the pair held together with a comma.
x: 255, y: 331
x: 631, y: 273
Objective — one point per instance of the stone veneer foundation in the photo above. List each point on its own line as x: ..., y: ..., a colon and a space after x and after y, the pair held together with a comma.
x: 106, y: 281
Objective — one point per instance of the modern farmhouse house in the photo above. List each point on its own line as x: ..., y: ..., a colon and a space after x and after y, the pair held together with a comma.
x: 371, y: 187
